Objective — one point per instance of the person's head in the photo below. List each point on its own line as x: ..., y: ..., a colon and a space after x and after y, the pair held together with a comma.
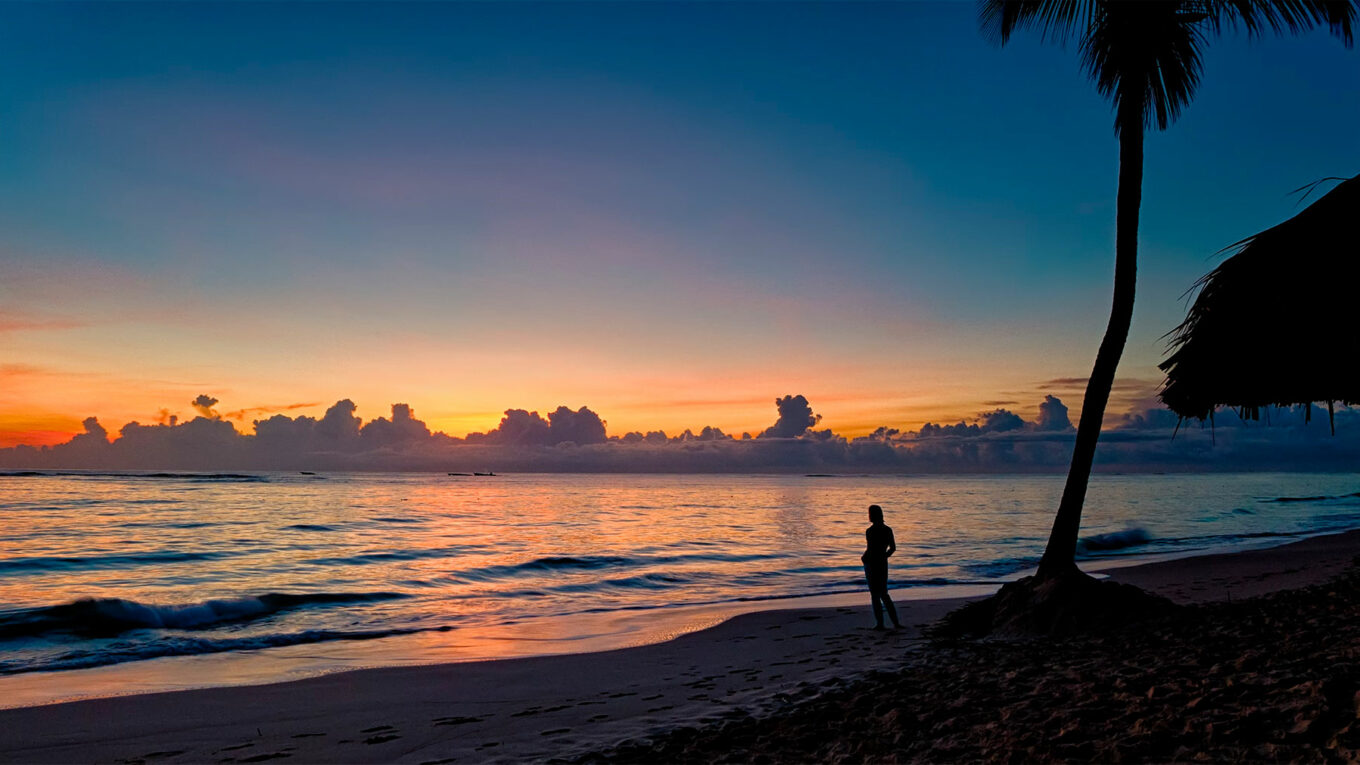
x: 875, y: 514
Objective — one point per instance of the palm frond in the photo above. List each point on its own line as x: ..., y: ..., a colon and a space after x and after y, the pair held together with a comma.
x: 1279, y: 16
x: 1145, y: 57
x: 1058, y: 20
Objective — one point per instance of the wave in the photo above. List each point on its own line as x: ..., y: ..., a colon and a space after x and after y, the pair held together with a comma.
x: 95, y: 562
x: 195, y: 646
x: 1115, y: 540
x: 554, y: 563
x: 106, y: 617
x: 565, y: 563
x: 999, y: 567
x: 1317, y: 498
x: 223, y: 477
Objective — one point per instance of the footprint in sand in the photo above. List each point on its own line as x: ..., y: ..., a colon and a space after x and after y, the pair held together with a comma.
x: 540, y: 710
x: 384, y: 733
x: 456, y: 720
x: 158, y: 754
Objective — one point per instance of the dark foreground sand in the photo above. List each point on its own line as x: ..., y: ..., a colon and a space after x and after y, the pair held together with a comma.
x: 1272, y: 678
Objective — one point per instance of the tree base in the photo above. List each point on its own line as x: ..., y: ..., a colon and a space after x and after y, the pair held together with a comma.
x: 1055, y: 604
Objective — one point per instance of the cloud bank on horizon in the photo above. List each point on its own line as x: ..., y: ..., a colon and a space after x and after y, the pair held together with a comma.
x: 568, y: 440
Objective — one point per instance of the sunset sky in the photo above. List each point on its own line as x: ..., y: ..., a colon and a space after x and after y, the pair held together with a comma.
x: 671, y: 214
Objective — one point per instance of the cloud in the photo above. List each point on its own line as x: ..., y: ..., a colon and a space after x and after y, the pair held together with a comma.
x: 338, y: 425
x: 995, y: 421
x: 204, y: 406
x: 403, y: 429
x: 577, y: 440
x: 795, y: 418
x: 241, y: 414
x: 523, y: 428
x: 1077, y: 385
x: 1000, y: 421
x: 1053, y: 415
x: 580, y: 427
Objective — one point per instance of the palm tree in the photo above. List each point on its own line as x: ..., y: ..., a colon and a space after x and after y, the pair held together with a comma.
x: 1144, y: 55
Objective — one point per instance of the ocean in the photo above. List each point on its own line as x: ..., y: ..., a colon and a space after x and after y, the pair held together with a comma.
x: 144, y: 581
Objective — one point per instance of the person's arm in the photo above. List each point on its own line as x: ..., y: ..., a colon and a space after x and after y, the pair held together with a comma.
x: 892, y: 544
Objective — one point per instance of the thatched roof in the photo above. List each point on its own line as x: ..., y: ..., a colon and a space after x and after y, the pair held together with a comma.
x: 1277, y: 322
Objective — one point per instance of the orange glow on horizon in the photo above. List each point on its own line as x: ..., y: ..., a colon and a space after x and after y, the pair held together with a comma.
x: 848, y: 417
x: 39, y: 430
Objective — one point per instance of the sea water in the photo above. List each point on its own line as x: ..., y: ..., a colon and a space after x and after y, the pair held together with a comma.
x: 153, y: 574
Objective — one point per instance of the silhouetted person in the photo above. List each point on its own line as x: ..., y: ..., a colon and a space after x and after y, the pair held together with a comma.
x: 879, y: 545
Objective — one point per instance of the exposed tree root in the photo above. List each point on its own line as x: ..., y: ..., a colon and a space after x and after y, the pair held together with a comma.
x: 1060, y: 604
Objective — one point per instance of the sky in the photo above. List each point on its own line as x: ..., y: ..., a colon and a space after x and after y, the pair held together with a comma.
x: 670, y: 213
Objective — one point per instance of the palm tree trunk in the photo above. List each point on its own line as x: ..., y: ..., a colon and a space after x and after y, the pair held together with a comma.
x: 1060, y: 555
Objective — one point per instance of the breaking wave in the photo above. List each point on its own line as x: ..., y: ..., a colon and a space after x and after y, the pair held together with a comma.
x: 1115, y: 540
x: 105, y: 617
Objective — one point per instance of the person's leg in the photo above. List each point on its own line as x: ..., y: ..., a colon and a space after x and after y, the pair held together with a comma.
x: 888, y: 606
x: 871, y: 576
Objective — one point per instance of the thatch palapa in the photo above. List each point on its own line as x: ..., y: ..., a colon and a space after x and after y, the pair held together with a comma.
x: 1275, y: 323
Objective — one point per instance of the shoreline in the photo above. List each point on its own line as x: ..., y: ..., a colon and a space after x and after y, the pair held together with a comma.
x: 588, y: 633
x: 552, y: 636
x: 552, y: 706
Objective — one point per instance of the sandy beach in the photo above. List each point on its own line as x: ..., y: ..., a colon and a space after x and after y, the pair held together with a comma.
x: 759, y: 669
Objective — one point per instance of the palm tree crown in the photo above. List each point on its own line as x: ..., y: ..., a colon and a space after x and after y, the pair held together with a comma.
x: 1144, y: 55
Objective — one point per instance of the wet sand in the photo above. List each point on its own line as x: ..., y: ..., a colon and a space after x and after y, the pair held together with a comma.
x: 773, y: 680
